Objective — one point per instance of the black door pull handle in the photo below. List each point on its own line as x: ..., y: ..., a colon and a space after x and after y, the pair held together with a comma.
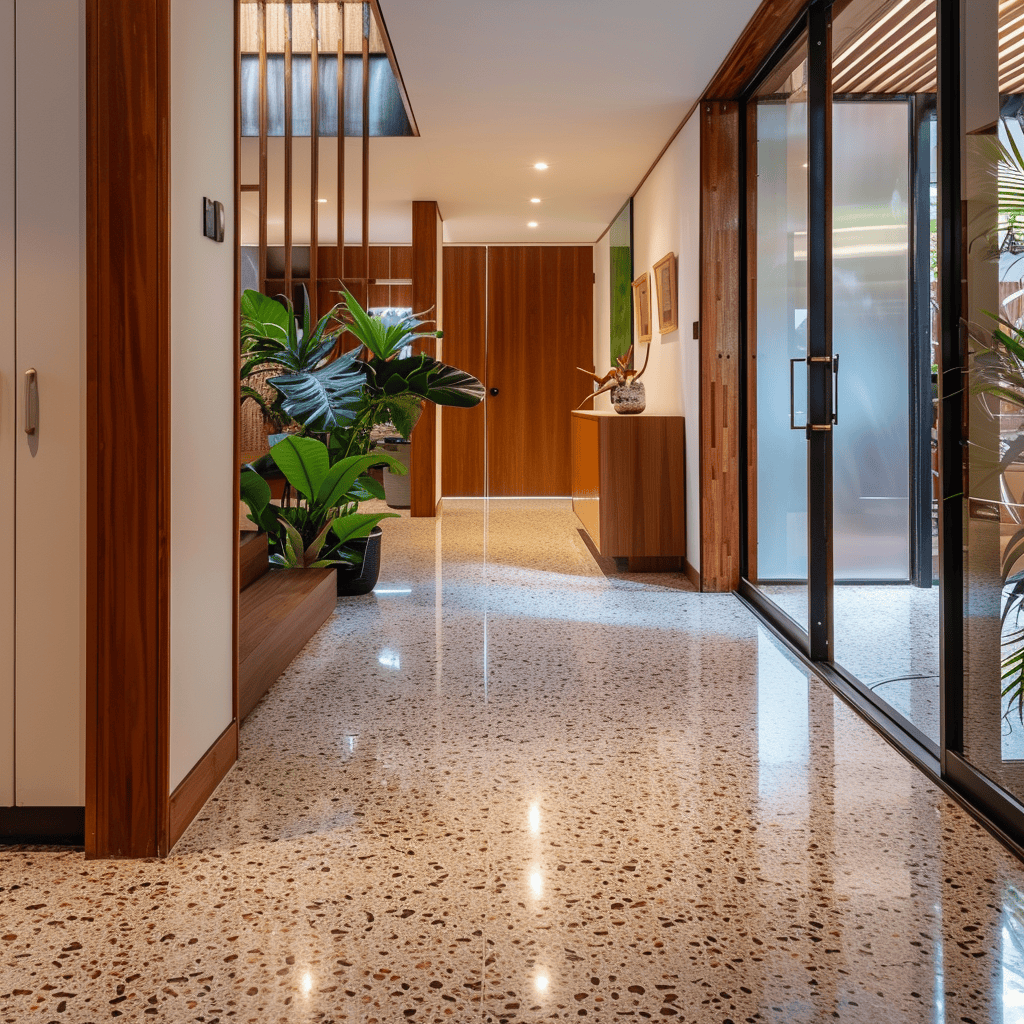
x: 494, y: 392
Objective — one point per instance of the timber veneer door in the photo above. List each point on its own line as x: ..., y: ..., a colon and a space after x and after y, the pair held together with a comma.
x: 539, y: 329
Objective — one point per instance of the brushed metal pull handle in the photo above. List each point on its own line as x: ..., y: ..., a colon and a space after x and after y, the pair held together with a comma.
x: 792, y: 396
x: 31, y: 402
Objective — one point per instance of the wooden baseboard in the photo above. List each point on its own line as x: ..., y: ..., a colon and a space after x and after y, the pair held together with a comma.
x: 691, y: 574
x: 52, y: 826
x: 197, y: 787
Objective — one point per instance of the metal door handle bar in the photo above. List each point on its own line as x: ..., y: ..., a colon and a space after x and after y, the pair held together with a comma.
x: 834, y: 418
x: 31, y: 402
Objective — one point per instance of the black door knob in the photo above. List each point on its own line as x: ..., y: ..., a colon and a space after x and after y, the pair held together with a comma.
x: 494, y: 392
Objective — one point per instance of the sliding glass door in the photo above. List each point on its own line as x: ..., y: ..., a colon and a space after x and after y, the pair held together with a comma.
x: 841, y: 520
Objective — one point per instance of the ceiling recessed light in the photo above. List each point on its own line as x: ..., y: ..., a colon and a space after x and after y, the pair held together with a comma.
x: 540, y: 166
x: 321, y: 200
x: 534, y: 200
x: 532, y: 224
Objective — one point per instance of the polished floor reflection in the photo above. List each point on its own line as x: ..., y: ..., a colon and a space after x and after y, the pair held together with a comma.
x: 510, y: 786
x: 887, y: 636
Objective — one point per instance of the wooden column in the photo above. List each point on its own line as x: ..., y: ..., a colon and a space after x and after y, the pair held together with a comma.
x: 366, y: 152
x: 128, y: 473
x: 287, y: 148
x: 426, y: 280
x: 264, y: 128
x: 341, y: 144
x: 719, y: 346
x: 314, y: 157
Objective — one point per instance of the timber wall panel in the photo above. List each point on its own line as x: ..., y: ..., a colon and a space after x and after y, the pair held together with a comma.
x: 720, y: 349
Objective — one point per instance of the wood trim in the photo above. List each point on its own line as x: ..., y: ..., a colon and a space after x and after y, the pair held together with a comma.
x: 340, y: 199
x: 425, y: 281
x: 264, y: 156
x: 197, y: 787
x: 128, y: 472
x: 366, y: 160
x: 314, y: 157
x: 389, y: 50
x: 770, y: 24
x: 719, y: 345
x: 691, y: 574
x: 288, y: 146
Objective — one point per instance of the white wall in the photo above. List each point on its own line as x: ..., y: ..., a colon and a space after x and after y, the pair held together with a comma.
x: 204, y: 380
x: 666, y: 218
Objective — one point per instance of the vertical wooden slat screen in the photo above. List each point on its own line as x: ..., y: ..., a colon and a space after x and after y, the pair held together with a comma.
x: 366, y: 151
x: 314, y: 155
x: 264, y: 128
x: 341, y: 143
x: 288, y: 150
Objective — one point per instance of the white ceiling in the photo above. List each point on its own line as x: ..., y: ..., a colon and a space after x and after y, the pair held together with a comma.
x: 592, y: 87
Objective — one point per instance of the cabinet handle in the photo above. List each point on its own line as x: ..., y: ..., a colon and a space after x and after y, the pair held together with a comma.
x: 31, y: 402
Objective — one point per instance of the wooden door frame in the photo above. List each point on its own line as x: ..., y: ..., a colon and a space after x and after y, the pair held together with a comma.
x: 129, y: 810
x: 722, y: 286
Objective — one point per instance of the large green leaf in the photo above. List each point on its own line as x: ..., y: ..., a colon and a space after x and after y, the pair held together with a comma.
x: 323, y: 400
x: 405, y: 411
x: 264, y: 318
x: 358, y: 524
x: 450, y: 386
x: 304, y: 462
x: 341, y: 478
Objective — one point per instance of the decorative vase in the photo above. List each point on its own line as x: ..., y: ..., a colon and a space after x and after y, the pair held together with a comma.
x: 629, y: 399
x: 361, y: 579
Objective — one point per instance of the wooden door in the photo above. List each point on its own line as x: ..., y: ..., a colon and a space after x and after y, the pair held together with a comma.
x: 540, y: 329
x: 465, y: 346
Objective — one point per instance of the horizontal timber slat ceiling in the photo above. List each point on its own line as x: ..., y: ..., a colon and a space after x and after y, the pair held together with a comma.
x: 892, y: 48
x: 301, y: 28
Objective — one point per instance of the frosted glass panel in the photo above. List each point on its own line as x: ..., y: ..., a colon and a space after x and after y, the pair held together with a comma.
x: 870, y: 318
x: 781, y: 335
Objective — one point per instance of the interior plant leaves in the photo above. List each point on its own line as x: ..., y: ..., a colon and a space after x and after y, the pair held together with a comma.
x: 405, y: 411
x: 304, y: 462
x: 338, y: 482
x: 255, y: 492
x: 263, y: 317
x: 450, y: 386
x: 326, y: 398
x: 358, y: 524
x: 366, y: 488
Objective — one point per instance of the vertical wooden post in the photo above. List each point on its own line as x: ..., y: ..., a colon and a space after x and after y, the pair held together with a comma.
x: 366, y: 153
x: 264, y: 117
x: 128, y: 471
x: 341, y: 143
x: 719, y: 345
x: 314, y: 145
x: 426, y: 281
x: 288, y: 149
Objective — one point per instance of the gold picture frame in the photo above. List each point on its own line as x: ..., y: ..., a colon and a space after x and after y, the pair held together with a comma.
x: 666, y: 279
x: 642, y: 307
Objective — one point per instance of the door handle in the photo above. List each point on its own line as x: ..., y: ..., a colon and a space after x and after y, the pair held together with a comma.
x: 792, y: 399
x: 31, y: 402
x: 494, y: 392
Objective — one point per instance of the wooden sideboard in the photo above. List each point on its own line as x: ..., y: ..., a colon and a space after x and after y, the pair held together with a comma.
x: 628, y: 479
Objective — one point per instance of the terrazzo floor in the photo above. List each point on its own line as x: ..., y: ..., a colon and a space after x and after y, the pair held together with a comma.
x: 512, y: 786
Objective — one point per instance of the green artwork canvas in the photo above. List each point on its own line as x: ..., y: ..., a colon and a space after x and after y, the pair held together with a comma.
x: 622, y: 282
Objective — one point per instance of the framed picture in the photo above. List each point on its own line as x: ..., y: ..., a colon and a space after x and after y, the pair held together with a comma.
x: 665, y: 278
x: 621, y: 268
x: 642, y: 305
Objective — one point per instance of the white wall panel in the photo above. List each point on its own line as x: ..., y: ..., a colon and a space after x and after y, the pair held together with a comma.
x: 7, y: 415
x: 204, y: 380
x: 50, y: 510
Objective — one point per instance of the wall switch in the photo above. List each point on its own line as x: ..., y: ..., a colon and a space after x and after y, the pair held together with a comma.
x: 696, y: 330
x: 213, y: 220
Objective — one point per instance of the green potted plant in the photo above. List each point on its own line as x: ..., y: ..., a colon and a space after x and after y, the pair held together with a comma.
x: 338, y: 402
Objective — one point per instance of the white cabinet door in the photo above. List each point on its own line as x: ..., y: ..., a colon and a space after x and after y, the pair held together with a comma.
x: 50, y: 465
x: 7, y: 411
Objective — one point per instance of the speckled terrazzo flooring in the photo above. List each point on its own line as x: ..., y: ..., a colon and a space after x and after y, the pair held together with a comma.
x: 512, y: 787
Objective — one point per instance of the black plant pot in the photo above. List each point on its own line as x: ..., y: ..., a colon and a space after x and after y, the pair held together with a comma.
x: 361, y: 579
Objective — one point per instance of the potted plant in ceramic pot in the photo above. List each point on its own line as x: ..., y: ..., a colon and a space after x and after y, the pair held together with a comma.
x: 339, y: 401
